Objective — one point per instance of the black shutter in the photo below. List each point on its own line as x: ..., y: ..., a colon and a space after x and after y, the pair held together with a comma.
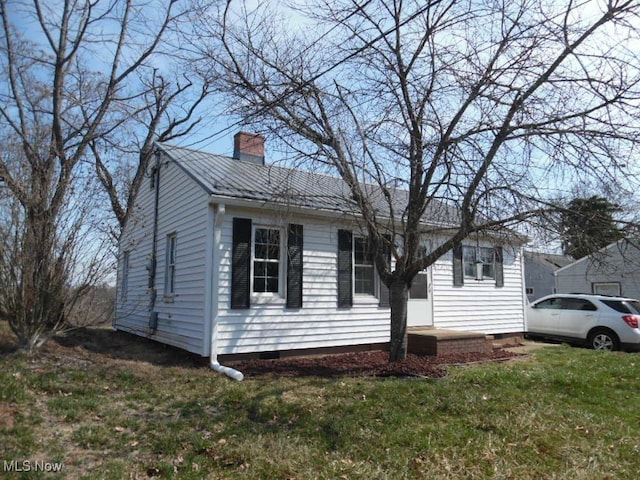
x: 241, y: 263
x: 294, y: 266
x: 499, y: 262
x: 458, y: 270
x: 345, y: 275
x: 384, y: 300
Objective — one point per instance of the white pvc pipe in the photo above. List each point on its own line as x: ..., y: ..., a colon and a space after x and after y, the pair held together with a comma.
x: 228, y: 371
x: 213, y: 297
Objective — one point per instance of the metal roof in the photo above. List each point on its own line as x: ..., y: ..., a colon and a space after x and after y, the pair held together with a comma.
x: 554, y: 261
x: 229, y: 177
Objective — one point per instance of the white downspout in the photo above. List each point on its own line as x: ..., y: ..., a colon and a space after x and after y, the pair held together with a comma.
x: 217, y: 235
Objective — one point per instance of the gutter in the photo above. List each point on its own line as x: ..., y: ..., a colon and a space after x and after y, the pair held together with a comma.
x: 217, y: 211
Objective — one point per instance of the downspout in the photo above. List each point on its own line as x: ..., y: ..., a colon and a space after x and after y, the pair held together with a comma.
x: 213, y: 295
x: 525, y: 299
x: 153, y: 315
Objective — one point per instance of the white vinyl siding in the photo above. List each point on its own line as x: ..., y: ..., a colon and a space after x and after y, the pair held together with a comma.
x: 617, y: 263
x: 268, y: 325
x: 183, y: 209
x: 480, y: 306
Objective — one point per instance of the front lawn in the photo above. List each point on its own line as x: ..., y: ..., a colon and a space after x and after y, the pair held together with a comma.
x: 145, y: 411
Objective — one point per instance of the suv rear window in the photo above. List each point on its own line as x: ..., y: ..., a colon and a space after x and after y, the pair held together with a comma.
x: 623, y: 306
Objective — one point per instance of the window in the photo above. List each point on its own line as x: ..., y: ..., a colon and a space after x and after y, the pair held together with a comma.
x: 357, y: 273
x: 472, y: 254
x: 607, y: 288
x: 170, y: 269
x: 419, y: 287
x: 266, y: 260
x: 364, y: 270
x: 258, y: 258
x: 549, y: 304
x: 124, y: 286
x: 577, y: 304
x: 622, y: 306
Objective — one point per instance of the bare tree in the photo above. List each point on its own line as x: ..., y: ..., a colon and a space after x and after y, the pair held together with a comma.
x: 490, y: 107
x: 166, y: 111
x: 65, y: 87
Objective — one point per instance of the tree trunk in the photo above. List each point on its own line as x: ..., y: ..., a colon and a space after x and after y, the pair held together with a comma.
x: 40, y: 292
x: 399, y: 296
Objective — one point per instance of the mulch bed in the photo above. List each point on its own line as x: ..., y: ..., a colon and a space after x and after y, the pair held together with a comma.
x: 365, y: 364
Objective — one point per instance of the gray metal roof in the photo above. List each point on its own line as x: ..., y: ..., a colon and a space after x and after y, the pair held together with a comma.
x: 229, y: 177
x: 551, y: 260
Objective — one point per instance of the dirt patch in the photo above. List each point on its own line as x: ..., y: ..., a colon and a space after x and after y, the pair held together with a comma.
x: 84, y: 347
x: 87, y: 346
x: 7, y: 416
x: 365, y: 364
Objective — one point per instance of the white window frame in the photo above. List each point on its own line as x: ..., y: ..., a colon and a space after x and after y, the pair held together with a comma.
x: 281, y: 263
x: 124, y: 284
x: 353, y: 273
x: 170, y: 266
x: 594, y: 285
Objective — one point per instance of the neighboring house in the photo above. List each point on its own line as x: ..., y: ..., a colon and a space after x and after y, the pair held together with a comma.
x: 230, y: 256
x: 612, y: 270
x: 539, y: 270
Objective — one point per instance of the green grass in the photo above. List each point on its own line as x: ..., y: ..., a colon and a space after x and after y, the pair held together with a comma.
x: 564, y: 413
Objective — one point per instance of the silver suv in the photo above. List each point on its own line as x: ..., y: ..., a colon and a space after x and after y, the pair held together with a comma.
x: 602, y: 322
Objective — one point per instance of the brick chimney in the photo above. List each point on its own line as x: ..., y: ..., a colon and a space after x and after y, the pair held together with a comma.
x: 248, y: 147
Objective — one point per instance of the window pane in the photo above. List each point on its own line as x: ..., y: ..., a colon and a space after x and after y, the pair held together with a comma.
x: 361, y: 253
x: 577, y: 304
x: 266, y: 265
x: 259, y: 284
x: 260, y: 269
x: 488, y: 270
x: 273, y: 252
x: 469, y: 260
x: 634, y: 306
x: 262, y: 235
x: 272, y: 269
x: 261, y: 250
x: 486, y: 255
x: 272, y: 285
x: 419, y: 287
x: 364, y: 282
x: 552, y: 303
x: 618, y: 306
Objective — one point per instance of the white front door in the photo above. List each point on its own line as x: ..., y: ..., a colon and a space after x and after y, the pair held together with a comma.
x: 419, y: 309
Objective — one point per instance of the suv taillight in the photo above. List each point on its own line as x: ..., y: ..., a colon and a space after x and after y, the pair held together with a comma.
x: 631, y: 320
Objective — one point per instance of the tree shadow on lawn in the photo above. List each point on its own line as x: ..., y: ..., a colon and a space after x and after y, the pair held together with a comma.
x: 100, y: 342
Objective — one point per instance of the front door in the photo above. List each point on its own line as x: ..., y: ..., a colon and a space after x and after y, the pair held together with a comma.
x: 419, y: 309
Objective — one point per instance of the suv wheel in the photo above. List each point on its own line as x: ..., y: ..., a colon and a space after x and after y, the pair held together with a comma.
x: 602, y: 339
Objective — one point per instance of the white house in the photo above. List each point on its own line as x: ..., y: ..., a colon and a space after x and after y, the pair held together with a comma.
x: 613, y: 270
x: 230, y: 256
